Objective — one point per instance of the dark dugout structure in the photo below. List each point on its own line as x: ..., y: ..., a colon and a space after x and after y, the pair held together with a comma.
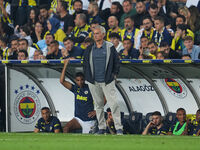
x: 143, y: 86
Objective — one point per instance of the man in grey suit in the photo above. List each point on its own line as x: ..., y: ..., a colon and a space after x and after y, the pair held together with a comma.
x: 101, y: 66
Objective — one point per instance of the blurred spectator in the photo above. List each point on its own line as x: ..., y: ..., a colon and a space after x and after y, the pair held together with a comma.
x: 178, y: 40
x: 190, y: 48
x: 128, y: 11
x: 53, y: 25
x: 144, y: 51
x: 5, y: 30
x: 153, y: 11
x: 185, y: 12
x: 78, y: 8
x: 186, y: 57
x: 87, y: 42
x: 46, y: 47
x: 20, y: 10
x: 38, y: 55
x: 22, y: 55
x: 141, y: 12
x: 32, y: 19
x: 160, y: 55
x: 194, y: 19
x: 23, y: 45
x: 128, y: 52
x: 4, y: 48
x: 147, y: 31
x: 115, y: 10
x: 54, y: 51
x: 5, y: 15
x: 161, y: 33
x: 70, y: 51
x: 23, y: 32
x: 153, y: 48
x: 38, y: 33
x: 66, y: 20
x: 81, y: 30
x: 92, y: 27
x: 115, y: 40
x: 180, y: 19
x: 129, y: 31
x: 93, y: 12
x: 168, y: 52
x: 113, y: 25
x: 43, y: 16
x: 168, y: 8
x: 14, y: 48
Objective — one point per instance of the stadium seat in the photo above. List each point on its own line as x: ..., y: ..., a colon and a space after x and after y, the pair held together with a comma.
x: 148, y: 117
x: 170, y: 118
x: 135, y: 123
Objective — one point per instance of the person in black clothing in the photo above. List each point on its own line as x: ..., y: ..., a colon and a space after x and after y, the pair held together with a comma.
x: 115, y: 10
x: 168, y: 52
x: 154, y: 12
x: 141, y: 12
x: 78, y: 8
x: 55, y: 52
x: 93, y: 12
x: 168, y: 8
x: 70, y: 51
x: 38, y: 33
x: 66, y: 20
x: 14, y: 48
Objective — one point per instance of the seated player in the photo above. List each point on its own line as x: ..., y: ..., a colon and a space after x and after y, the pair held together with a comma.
x: 156, y: 126
x: 84, y: 108
x: 181, y: 127
x: 48, y: 123
x: 196, y: 124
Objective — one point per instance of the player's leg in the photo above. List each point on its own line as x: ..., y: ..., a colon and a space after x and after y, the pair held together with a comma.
x: 87, y: 125
x: 111, y: 97
x: 71, y: 125
x: 98, y: 97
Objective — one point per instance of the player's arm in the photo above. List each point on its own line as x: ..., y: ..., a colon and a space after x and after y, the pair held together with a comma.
x: 92, y: 114
x: 37, y: 127
x: 146, y: 130
x: 65, y: 83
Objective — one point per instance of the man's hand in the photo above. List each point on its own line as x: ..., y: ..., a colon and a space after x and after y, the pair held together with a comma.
x: 151, y: 124
x: 92, y: 114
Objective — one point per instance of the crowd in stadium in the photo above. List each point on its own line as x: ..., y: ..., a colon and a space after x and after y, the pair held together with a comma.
x: 59, y: 29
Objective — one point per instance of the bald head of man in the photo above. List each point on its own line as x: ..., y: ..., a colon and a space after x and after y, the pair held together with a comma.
x: 113, y: 22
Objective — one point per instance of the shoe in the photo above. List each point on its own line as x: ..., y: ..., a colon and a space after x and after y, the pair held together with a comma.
x: 101, y: 131
x: 119, y: 132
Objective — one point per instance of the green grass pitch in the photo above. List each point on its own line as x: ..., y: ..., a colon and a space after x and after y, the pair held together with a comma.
x: 41, y: 141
